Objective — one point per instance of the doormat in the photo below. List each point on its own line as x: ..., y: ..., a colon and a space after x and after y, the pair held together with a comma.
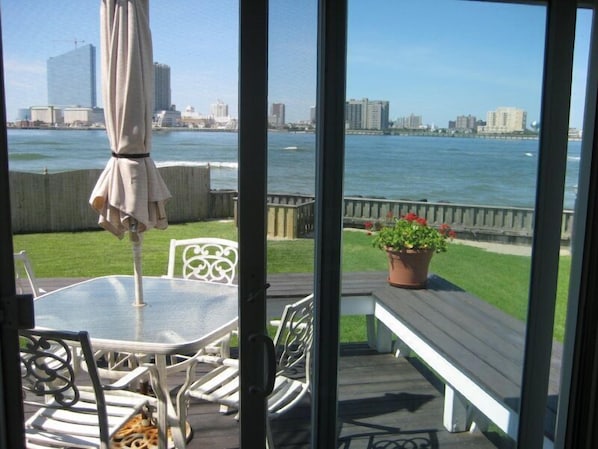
x: 141, y: 433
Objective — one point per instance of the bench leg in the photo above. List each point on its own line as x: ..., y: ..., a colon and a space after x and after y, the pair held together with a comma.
x: 401, y: 349
x: 370, y: 323
x: 457, y: 411
x: 383, y: 338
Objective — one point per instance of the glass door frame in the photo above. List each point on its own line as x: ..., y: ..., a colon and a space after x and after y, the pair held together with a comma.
x: 252, y: 210
x: 556, y: 96
x: 11, y: 402
x: 577, y: 399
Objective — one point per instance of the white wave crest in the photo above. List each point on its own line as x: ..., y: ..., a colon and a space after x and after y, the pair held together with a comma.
x: 232, y: 165
x: 225, y: 165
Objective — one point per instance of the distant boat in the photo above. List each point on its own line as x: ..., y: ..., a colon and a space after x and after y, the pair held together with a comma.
x: 529, y: 154
x: 290, y: 148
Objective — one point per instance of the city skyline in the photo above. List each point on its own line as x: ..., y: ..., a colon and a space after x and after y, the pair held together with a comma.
x: 407, y: 54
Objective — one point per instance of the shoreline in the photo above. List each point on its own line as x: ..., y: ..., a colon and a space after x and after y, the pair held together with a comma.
x: 356, y: 132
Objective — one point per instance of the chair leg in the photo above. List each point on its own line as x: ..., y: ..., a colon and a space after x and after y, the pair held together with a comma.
x: 269, y: 437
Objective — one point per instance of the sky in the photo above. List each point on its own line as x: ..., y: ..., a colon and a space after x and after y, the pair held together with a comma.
x: 434, y: 58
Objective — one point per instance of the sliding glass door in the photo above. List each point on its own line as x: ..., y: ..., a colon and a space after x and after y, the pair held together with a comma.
x: 479, y: 115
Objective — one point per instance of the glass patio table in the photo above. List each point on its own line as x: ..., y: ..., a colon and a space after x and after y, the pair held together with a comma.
x: 179, y: 317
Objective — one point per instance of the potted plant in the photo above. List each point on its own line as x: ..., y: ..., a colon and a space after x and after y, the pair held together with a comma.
x: 410, y: 244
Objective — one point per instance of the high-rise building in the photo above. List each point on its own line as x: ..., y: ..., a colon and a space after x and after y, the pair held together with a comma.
x: 162, y: 96
x: 504, y: 120
x: 72, y: 78
x: 410, y: 121
x: 277, y: 115
x: 353, y: 114
x: 465, y: 123
x: 377, y: 115
x: 366, y: 114
x: 219, y: 110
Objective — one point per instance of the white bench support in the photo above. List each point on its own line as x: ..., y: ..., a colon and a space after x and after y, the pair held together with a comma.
x: 458, y: 411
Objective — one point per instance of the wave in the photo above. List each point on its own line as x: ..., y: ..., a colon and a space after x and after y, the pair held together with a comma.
x: 226, y: 165
x: 27, y: 156
x: 231, y: 165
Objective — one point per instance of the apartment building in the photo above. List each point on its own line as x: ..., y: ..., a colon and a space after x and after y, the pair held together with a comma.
x: 504, y: 120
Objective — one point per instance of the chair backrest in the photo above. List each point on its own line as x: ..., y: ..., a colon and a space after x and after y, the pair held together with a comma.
x: 25, y: 279
x: 294, y: 338
x: 49, y: 374
x: 205, y: 259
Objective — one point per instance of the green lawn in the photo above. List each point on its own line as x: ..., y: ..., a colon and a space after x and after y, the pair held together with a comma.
x: 500, y: 279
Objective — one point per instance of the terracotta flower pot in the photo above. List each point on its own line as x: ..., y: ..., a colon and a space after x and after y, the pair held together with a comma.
x: 408, y: 268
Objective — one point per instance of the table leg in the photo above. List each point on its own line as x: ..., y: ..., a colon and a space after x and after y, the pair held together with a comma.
x: 167, y: 415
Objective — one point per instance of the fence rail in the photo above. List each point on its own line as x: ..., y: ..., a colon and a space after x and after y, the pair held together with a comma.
x: 59, y: 202
x: 504, y: 224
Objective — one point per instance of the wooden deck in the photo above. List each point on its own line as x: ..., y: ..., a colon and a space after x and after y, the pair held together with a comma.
x: 384, y: 402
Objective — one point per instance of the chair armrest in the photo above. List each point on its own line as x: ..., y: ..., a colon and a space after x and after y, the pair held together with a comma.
x: 131, y: 376
x: 215, y: 360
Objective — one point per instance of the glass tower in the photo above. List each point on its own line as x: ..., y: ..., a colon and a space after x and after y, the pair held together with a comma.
x: 72, y: 78
x: 162, y: 101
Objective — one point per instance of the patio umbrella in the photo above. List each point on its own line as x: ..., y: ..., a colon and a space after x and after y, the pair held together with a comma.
x: 130, y: 194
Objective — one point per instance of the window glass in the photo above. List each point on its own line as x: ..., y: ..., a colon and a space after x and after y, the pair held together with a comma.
x: 291, y: 188
x: 58, y: 146
x: 443, y: 118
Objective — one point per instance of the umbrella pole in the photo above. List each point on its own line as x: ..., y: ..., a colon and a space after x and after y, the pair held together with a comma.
x: 137, y: 238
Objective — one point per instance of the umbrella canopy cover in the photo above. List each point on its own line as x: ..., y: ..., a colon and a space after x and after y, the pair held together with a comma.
x: 130, y: 194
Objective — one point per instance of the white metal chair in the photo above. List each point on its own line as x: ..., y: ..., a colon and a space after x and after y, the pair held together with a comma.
x: 293, y: 345
x: 66, y: 413
x: 25, y: 279
x: 205, y: 259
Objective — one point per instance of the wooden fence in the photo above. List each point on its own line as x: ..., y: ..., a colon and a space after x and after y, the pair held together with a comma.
x: 59, y: 202
x: 494, y: 223
x: 289, y: 216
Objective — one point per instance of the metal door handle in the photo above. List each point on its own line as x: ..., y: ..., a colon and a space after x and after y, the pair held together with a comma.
x: 268, y: 386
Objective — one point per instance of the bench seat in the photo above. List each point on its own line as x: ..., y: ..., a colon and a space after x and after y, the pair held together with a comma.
x: 476, y: 349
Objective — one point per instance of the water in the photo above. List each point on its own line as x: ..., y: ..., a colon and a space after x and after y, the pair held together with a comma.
x: 460, y: 170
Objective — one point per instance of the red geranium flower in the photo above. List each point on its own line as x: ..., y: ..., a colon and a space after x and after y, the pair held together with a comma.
x: 413, y: 232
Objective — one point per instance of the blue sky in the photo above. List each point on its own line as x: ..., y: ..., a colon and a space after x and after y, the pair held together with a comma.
x: 434, y: 58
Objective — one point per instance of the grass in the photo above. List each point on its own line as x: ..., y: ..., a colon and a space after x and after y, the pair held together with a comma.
x: 502, y: 280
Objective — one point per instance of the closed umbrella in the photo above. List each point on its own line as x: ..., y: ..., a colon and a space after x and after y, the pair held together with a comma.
x: 130, y: 194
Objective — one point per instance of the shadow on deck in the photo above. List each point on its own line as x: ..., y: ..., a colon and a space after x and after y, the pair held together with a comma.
x: 384, y: 403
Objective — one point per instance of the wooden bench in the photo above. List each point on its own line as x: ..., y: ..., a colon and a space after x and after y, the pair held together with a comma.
x: 475, y: 349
